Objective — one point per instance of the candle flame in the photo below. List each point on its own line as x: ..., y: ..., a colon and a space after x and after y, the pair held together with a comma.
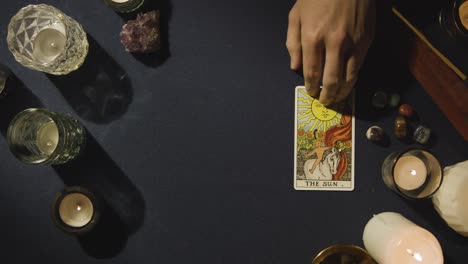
x: 413, y: 172
x: 78, y: 208
x: 415, y: 255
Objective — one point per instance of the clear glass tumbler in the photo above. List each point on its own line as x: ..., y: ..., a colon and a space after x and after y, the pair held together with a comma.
x: 414, y: 173
x: 453, y: 18
x: 37, y: 136
x: 4, y: 74
x: 43, y: 38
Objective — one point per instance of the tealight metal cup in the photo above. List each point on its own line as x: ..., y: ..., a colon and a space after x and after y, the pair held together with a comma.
x: 58, y: 220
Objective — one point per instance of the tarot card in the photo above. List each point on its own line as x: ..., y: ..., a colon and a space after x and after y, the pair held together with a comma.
x: 323, y: 145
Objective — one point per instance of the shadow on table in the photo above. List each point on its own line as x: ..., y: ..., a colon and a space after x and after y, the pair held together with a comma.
x: 426, y: 209
x: 17, y: 98
x: 100, y: 90
x: 158, y: 58
x: 385, y: 68
x: 123, y: 205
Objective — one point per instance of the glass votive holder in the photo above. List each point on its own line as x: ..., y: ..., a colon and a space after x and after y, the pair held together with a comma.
x: 125, y: 6
x: 37, y: 136
x: 4, y: 74
x: 75, y: 210
x: 43, y: 38
x: 453, y: 18
x: 414, y: 173
x: 338, y: 254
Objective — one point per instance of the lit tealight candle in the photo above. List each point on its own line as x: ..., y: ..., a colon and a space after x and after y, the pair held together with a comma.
x: 390, y: 238
x: 463, y: 14
x: 47, y: 138
x: 48, y: 44
x: 75, y: 210
x: 410, y: 173
x: 414, y: 173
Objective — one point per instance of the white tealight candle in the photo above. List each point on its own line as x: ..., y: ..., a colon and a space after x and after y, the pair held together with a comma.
x: 76, y: 210
x: 120, y: 1
x: 48, y: 45
x: 410, y: 173
x: 390, y: 238
x: 47, y: 138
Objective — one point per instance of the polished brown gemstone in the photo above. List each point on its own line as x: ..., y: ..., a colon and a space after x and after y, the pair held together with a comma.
x: 401, y: 130
x: 405, y: 110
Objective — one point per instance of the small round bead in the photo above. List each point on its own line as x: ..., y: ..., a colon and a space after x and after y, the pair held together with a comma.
x: 394, y: 100
x: 375, y: 133
x: 405, y: 110
x: 422, y: 134
x: 401, y: 130
x: 379, y: 99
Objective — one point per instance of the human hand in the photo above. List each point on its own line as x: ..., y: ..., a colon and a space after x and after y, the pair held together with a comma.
x: 330, y: 39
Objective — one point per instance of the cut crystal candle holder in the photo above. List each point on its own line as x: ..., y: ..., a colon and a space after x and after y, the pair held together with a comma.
x: 4, y: 74
x: 43, y: 38
x: 37, y: 136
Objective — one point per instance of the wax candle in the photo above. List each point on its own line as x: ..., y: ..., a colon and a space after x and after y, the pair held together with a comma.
x: 451, y: 200
x: 49, y: 44
x: 75, y: 210
x: 391, y: 238
x: 463, y: 14
x: 48, y: 137
x: 410, y: 173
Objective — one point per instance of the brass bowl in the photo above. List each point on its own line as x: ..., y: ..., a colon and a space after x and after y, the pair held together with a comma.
x: 343, y: 254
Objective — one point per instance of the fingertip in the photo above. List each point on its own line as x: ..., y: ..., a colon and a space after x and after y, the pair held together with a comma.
x: 326, y: 101
x: 294, y: 65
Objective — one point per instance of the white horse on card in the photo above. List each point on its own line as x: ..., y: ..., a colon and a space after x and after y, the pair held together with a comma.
x: 324, y: 165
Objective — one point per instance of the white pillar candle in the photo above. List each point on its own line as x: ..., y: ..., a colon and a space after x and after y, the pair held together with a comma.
x: 48, y: 44
x: 451, y: 200
x: 392, y: 239
x: 76, y: 210
x: 47, y: 138
x: 410, y: 173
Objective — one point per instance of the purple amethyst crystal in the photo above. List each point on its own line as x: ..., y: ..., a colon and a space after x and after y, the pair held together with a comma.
x: 142, y: 34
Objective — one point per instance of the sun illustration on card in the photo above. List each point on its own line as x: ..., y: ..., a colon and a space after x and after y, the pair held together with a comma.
x: 314, y: 116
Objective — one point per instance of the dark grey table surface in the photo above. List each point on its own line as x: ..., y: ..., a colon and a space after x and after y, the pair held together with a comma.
x: 194, y: 150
